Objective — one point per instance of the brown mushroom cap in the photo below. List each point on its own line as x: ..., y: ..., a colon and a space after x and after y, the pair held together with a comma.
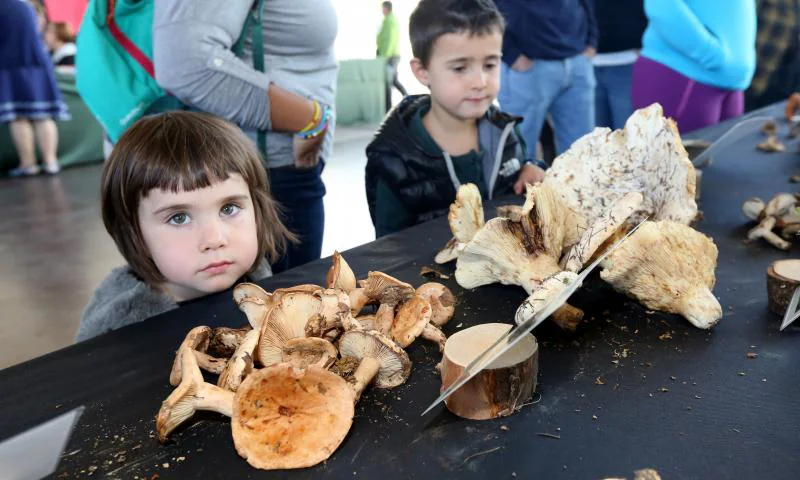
x: 395, y: 366
x: 245, y: 289
x: 309, y: 351
x: 386, y: 289
x: 340, y: 275
x: 441, y: 299
x: 285, y: 417
x: 411, y: 320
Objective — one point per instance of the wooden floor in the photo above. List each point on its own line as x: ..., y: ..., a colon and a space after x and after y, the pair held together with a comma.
x: 54, y: 249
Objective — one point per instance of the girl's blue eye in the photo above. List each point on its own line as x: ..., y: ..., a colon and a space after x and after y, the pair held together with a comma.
x: 230, y: 209
x: 179, y: 219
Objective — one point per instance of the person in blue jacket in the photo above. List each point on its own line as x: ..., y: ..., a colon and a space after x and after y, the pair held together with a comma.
x: 698, y: 57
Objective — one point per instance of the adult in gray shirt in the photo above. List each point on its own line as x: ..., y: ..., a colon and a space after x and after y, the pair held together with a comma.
x: 292, y: 99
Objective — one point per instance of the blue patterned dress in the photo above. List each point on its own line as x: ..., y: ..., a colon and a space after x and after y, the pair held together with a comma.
x: 28, y: 86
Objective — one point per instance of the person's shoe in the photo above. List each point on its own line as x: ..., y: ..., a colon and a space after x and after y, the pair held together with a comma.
x: 52, y: 169
x: 24, y: 171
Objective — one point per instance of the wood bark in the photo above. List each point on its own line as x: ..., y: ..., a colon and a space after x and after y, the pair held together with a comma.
x: 783, y: 276
x: 498, y: 390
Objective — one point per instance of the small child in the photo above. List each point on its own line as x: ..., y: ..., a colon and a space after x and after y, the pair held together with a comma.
x: 186, y: 199
x: 431, y: 144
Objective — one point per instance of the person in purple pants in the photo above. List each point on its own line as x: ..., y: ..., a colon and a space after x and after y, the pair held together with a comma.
x: 698, y: 57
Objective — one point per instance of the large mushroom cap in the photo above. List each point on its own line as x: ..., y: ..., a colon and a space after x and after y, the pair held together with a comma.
x: 667, y: 266
x: 285, y: 417
x: 646, y: 156
x: 395, y: 366
x: 502, y: 252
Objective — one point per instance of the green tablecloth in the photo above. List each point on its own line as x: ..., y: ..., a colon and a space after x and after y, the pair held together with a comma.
x: 80, y: 140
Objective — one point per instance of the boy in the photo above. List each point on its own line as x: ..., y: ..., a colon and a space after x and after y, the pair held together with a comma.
x: 431, y: 144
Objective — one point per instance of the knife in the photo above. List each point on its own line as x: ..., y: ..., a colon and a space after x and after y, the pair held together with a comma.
x: 791, y: 311
x: 509, y: 339
x: 758, y: 120
x: 35, y: 453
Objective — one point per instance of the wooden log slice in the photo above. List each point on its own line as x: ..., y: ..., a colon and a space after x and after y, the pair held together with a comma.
x: 783, y: 276
x: 500, y: 389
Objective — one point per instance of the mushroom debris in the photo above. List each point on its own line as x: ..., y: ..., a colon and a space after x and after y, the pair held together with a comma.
x: 781, y: 214
x: 302, y: 361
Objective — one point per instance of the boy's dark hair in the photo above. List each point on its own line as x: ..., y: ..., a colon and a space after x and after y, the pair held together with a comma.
x: 182, y: 150
x: 387, y: 6
x: 434, y: 18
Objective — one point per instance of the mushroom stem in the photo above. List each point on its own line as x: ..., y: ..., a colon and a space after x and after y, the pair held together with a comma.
x: 210, y: 364
x: 364, y: 374
x: 241, y: 363
x: 357, y: 300
x: 191, y: 394
x: 764, y: 230
x: 434, y: 334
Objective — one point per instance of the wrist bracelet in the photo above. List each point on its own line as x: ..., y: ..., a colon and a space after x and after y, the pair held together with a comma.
x: 320, y: 127
x: 315, y: 118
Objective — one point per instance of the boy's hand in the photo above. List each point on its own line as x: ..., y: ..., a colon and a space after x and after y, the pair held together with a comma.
x: 307, y: 151
x: 522, y: 64
x: 529, y: 174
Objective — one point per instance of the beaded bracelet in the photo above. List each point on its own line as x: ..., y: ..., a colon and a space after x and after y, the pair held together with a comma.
x: 320, y: 127
x: 315, y: 117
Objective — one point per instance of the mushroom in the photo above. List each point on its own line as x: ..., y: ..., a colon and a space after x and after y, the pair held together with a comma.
x: 334, y: 314
x: 600, y: 230
x: 250, y: 290
x: 241, y: 363
x: 385, y: 289
x: 255, y: 309
x: 191, y: 394
x: 281, y: 341
x: 551, y: 287
x: 224, y: 340
x: 442, y: 302
x: 381, y: 288
x: 502, y: 252
x: 278, y: 294
x: 287, y: 417
x: 548, y: 222
x: 381, y: 360
x: 771, y: 144
x: 770, y: 127
x: 413, y: 320
x: 196, y: 339
x: 340, y: 275
x: 779, y: 205
x: 647, y: 156
x: 764, y: 230
x: 465, y: 218
x: 512, y: 212
x: 753, y: 207
x: 669, y: 267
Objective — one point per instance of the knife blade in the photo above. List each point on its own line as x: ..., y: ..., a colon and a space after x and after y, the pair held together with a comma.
x: 509, y: 339
x: 791, y: 310
x: 35, y: 453
x: 715, y: 145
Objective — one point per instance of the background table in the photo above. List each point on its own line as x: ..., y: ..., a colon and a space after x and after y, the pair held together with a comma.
x: 630, y: 389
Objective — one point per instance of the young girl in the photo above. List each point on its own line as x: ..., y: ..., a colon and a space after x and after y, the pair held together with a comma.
x: 186, y: 199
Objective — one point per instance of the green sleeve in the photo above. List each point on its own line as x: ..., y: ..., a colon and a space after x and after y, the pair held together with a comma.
x: 384, y: 37
x: 391, y: 215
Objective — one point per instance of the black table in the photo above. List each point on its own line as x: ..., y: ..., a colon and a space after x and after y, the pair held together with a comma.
x: 631, y: 389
